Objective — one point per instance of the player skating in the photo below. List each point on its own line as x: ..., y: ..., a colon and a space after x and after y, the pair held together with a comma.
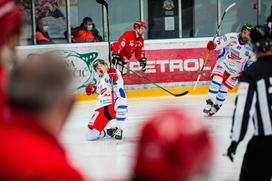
x: 236, y: 55
x: 131, y: 42
x: 107, y: 110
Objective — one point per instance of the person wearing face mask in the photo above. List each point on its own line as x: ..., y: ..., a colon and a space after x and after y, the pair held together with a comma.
x: 42, y: 35
x: 86, y: 32
x: 11, y: 22
x: 131, y: 42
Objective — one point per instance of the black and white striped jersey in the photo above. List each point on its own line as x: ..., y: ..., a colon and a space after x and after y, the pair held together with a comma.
x: 254, y: 100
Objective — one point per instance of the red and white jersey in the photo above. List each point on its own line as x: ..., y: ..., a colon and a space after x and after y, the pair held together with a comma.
x: 235, y: 55
x: 104, y: 91
x: 127, y: 45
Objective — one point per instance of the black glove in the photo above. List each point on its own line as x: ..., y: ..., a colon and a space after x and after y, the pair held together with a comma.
x: 232, y: 150
x: 143, y: 64
x: 119, y: 63
x: 116, y: 59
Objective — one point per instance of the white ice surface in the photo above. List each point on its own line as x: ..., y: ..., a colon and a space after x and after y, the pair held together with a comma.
x: 106, y: 158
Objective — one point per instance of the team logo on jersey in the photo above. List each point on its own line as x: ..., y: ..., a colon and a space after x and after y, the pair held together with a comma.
x: 168, y: 4
x: 103, y: 91
x: 81, y: 66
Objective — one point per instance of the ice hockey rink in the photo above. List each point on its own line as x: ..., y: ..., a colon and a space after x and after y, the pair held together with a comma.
x: 108, y: 159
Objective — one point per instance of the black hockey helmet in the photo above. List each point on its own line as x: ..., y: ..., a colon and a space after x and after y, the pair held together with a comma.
x: 97, y: 62
x: 247, y: 27
x: 261, y: 38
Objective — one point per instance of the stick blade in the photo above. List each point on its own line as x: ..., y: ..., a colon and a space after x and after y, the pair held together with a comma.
x: 181, y: 94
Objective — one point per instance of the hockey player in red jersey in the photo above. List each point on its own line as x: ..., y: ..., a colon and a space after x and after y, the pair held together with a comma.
x: 131, y: 42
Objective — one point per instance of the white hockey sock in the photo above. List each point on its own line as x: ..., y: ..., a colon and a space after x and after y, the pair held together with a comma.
x: 214, y: 87
x: 221, y: 96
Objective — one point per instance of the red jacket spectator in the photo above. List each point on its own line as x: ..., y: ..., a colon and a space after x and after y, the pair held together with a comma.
x: 83, y: 36
x: 86, y: 32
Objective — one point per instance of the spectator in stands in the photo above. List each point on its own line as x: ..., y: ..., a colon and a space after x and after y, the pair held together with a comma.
x: 11, y: 23
x: 42, y: 35
x: 38, y: 94
x: 86, y: 32
x: 173, y: 146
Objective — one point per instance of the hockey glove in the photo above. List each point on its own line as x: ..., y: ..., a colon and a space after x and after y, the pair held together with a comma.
x: 143, y: 64
x: 113, y: 74
x: 119, y: 63
x: 116, y: 59
x: 211, y: 46
x: 90, y: 89
x: 232, y: 150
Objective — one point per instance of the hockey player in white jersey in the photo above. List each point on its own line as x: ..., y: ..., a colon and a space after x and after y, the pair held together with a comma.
x: 107, y: 107
x: 235, y: 56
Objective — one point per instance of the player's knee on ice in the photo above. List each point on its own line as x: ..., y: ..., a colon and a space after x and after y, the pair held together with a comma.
x: 94, y: 134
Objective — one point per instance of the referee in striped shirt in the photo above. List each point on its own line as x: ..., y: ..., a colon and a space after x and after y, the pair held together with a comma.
x: 254, y: 101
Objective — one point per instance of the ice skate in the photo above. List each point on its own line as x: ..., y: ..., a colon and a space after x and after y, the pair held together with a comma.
x: 208, y: 107
x: 118, y: 134
x: 110, y: 131
x: 214, y: 109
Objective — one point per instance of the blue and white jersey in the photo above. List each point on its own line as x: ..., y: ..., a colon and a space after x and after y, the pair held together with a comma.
x: 235, y: 55
x: 104, y: 91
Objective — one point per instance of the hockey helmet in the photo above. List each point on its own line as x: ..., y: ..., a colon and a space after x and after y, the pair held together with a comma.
x: 10, y: 20
x: 261, y: 38
x: 172, y: 146
x: 138, y: 24
x: 247, y: 27
x: 97, y: 62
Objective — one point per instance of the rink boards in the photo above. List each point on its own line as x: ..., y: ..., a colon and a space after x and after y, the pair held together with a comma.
x: 172, y: 63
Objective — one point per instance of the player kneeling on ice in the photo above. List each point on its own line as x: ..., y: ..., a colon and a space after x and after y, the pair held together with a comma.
x: 236, y: 55
x: 106, y: 108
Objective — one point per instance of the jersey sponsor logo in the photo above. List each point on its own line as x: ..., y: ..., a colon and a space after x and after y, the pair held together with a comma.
x: 234, y: 57
x: 103, y: 91
x: 219, y: 40
x: 246, y: 53
x: 131, y: 43
x: 225, y: 38
x: 234, y: 54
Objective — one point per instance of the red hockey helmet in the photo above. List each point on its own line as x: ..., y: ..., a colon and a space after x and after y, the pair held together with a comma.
x: 10, y: 20
x: 138, y: 24
x: 173, y: 146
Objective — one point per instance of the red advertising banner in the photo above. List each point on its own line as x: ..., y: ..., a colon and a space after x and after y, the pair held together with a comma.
x: 172, y: 65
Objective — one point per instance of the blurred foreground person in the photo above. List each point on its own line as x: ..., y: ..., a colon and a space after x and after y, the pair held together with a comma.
x: 254, y: 101
x: 11, y: 22
x: 173, y: 146
x: 38, y: 95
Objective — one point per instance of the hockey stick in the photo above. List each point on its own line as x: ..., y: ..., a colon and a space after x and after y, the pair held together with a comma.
x: 157, y: 85
x: 214, y: 36
x: 105, y: 4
